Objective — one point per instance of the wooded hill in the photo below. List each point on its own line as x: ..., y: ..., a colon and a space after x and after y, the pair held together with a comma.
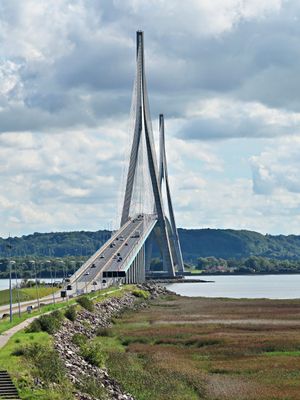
x: 220, y: 243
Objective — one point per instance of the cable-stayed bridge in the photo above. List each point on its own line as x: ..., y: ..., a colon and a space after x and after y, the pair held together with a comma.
x: 127, y: 255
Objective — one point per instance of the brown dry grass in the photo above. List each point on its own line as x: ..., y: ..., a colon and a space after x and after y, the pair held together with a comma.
x: 256, y: 359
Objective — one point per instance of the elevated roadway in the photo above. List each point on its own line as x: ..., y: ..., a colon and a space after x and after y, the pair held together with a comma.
x: 114, y: 257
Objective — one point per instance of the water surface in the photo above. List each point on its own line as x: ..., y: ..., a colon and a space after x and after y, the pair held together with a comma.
x: 242, y: 286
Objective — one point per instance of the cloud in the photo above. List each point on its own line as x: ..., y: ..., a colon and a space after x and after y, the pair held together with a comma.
x: 223, y: 118
x: 277, y: 168
x: 221, y: 71
x: 75, y: 68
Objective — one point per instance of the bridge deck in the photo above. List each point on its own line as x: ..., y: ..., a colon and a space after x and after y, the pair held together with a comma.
x: 114, y: 255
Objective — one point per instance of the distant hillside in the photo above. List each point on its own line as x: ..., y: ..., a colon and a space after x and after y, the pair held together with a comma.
x: 221, y: 243
x: 229, y: 243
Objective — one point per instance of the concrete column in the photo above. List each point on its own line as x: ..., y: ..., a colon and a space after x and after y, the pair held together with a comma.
x: 143, y: 264
x: 134, y: 272
x: 137, y: 267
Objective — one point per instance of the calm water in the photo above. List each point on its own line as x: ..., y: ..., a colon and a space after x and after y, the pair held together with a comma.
x: 242, y: 286
x: 238, y: 286
x: 4, y: 283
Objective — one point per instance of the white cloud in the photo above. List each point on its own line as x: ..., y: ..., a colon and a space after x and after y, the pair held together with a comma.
x: 277, y: 168
x: 218, y: 70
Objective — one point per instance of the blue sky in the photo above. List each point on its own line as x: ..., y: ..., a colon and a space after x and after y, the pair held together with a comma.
x: 224, y: 73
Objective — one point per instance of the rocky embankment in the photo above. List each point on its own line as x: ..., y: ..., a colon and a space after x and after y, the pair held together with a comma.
x: 87, y: 324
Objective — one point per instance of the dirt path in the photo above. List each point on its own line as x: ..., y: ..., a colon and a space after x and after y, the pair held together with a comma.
x: 5, y: 336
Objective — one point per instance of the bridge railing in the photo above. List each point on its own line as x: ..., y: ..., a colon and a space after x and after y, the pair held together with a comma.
x: 129, y: 256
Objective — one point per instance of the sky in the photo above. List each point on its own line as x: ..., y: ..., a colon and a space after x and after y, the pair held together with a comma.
x: 225, y: 73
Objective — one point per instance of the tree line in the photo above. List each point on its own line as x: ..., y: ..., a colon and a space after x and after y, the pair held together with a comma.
x: 40, y: 267
x: 235, y: 250
x: 250, y: 265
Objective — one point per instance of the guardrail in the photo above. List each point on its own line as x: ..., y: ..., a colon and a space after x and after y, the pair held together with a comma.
x: 134, y: 250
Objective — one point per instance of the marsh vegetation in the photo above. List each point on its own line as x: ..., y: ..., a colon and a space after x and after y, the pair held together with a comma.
x: 213, y: 349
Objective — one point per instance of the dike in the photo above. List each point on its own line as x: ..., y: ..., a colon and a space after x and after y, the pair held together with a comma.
x: 87, y: 323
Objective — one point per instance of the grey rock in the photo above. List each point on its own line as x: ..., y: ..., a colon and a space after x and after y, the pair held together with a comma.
x: 87, y: 324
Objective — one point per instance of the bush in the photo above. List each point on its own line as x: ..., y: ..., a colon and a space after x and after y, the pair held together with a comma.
x: 70, y: 313
x: 58, y: 315
x: 35, y: 326
x: 93, y: 354
x: 48, y: 323
x: 79, y: 339
x: 86, y: 303
x: 141, y: 293
x: 18, y: 352
x: 52, y: 322
x: 92, y: 387
x: 49, y: 366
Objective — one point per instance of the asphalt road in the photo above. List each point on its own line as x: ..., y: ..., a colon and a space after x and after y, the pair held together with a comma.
x: 108, y: 258
x: 112, y: 258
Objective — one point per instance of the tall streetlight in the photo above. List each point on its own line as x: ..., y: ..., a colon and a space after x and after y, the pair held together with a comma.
x: 64, y: 275
x: 18, y: 291
x: 11, y: 262
x: 51, y: 276
x: 75, y: 275
x: 36, y: 284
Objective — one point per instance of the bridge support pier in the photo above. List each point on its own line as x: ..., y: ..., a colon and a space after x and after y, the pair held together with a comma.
x: 136, y: 271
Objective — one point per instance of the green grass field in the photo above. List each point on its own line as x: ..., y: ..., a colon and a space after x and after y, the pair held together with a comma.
x: 23, y: 370
x: 100, y: 295
x: 25, y: 294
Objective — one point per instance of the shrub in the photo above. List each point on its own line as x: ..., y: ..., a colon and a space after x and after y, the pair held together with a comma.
x: 141, y: 293
x: 92, y: 387
x: 70, y: 313
x: 86, y: 303
x: 49, y: 366
x: 93, y: 353
x: 35, y: 326
x: 58, y: 315
x: 18, y: 352
x: 79, y: 339
x: 52, y: 322
x: 48, y: 323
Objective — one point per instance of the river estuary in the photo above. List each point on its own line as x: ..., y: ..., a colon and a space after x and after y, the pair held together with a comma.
x: 242, y: 286
x: 233, y: 286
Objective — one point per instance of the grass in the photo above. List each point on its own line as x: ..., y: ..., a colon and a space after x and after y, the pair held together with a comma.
x: 23, y: 370
x: 194, y: 271
x: 295, y: 353
x: 5, y: 324
x: 26, y: 294
x: 30, y: 355
x: 180, y: 348
x: 172, y: 350
x: 100, y: 295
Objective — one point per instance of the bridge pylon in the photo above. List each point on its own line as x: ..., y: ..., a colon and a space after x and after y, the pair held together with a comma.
x: 126, y: 256
x: 166, y: 231
x: 164, y: 179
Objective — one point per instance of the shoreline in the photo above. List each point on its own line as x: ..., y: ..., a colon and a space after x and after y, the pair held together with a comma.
x: 239, y: 274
